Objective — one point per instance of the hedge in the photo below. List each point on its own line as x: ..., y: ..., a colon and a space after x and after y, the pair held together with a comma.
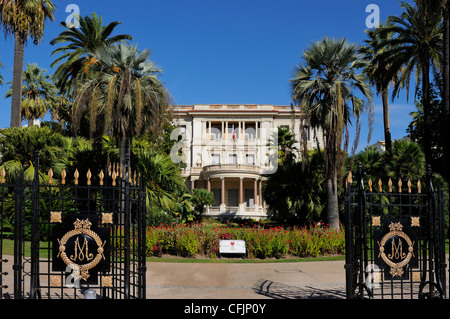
x: 274, y: 242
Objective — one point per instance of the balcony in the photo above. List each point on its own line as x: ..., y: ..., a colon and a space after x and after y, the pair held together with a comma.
x: 226, y: 169
x: 255, y: 212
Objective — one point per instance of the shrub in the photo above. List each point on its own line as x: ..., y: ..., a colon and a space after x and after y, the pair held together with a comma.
x: 186, y: 243
x: 273, y: 242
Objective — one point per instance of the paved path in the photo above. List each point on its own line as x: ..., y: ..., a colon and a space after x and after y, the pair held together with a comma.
x: 296, y: 280
x: 292, y: 280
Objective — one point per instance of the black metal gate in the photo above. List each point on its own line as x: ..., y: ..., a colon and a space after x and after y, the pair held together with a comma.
x: 395, y: 240
x: 74, y: 235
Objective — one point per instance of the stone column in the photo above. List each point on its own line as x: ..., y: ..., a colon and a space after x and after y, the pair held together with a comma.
x: 222, y: 207
x: 223, y: 131
x: 208, y: 185
x: 241, y: 196
x: 255, y: 191
x: 260, y: 193
x: 209, y: 134
x: 241, y: 190
x: 222, y: 179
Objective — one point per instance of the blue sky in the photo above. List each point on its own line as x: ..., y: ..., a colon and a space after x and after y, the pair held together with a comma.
x: 225, y: 51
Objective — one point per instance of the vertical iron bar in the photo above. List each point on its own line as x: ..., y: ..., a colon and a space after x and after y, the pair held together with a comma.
x: 441, y: 245
x: 2, y: 189
x: 126, y: 215
x: 35, y: 291
x: 349, y: 244
x: 142, y: 241
x: 362, y: 232
x: 18, y: 237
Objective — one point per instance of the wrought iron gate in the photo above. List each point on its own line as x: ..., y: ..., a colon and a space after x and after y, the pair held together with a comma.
x: 395, y: 240
x: 73, y: 234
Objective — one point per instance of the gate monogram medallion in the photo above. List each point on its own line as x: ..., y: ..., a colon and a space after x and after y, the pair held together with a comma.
x: 395, y: 250
x: 83, y: 247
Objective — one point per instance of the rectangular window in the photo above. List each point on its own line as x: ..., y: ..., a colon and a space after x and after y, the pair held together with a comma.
x: 215, y: 159
x: 232, y: 159
x: 249, y: 198
x: 217, y: 196
x: 250, y: 159
x: 308, y: 133
x: 250, y: 132
x: 233, y: 197
x: 216, y: 132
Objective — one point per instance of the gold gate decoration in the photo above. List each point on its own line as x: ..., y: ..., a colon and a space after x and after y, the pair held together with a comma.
x: 397, y: 253
x: 81, y: 227
x: 81, y: 246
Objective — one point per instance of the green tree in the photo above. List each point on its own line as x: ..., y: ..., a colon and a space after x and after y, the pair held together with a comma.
x: 296, y: 194
x: 162, y: 179
x: 405, y: 161
x: 24, y: 19
x: 372, y: 162
x: 376, y: 72
x: 326, y: 86
x: 82, y: 46
x: 38, y: 93
x: 285, y: 142
x: 200, y: 198
x: 415, y: 45
x: 125, y: 96
x: 19, y: 145
x: 408, y: 161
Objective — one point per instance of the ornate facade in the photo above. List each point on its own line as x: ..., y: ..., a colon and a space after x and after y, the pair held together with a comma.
x: 232, y: 149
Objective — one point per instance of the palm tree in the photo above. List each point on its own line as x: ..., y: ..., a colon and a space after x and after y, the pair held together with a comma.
x: 38, y: 93
x: 372, y: 162
x: 408, y: 161
x: 201, y: 197
x: 376, y: 72
x: 82, y: 47
x: 18, y: 146
x: 325, y: 87
x: 416, y: 44
x: 284, y: 139
x: 162, y: 179
x: 125, y: 96
x: 24, y: 19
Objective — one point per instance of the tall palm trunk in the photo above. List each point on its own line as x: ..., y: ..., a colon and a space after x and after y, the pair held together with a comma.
x: 332, y: 202
x: 125, y: 148
x: 387, y: 124
x: 426, y: 109
x: 16, y: 97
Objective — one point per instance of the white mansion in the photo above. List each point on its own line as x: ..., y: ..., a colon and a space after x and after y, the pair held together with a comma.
x: 230, y: 150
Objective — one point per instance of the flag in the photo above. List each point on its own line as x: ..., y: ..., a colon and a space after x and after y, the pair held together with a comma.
x: 233, y: 135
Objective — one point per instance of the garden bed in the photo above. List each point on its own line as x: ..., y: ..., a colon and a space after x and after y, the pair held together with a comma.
x: 201, y: 240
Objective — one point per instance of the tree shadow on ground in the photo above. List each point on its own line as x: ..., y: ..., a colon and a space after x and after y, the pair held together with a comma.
x: 278, y: 290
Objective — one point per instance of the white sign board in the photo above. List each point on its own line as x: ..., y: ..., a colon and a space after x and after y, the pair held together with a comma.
x: 232, y: 247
